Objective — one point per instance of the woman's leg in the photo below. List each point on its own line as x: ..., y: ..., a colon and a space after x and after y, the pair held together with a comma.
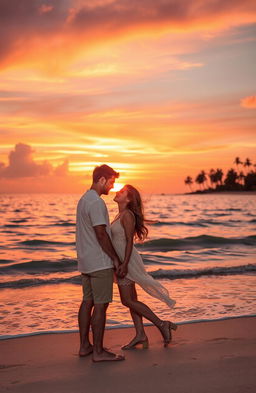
x: 140, y: 337
x: 137, y: 318
x: 144, y: 311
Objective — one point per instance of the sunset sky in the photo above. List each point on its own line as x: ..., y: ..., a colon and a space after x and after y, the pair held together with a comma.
x: 158, y: 89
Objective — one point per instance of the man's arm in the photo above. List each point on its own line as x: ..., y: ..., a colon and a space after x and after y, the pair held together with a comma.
x: 106, y: 244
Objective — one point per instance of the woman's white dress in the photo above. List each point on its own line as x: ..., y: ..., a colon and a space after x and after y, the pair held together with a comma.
x: 136, y: 268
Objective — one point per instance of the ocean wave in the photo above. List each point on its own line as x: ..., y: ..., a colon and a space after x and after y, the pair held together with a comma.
x: 64, y: 224
x: 199, y: 223
x: 18, y: 221
x: 30, y: 282
x: 173, y: 223
x: 41, y: 242
x: 41, y: 266
x: 35, y: 267
x: 230, y: 209
x: 6, y: 261
x: 111, y: 325
x: 202, y: 241
x: 193, y: 273
x: 15, y: 226
x: 171, y: 274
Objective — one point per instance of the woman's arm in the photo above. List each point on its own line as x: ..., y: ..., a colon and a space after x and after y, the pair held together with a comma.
x: 128, y: 223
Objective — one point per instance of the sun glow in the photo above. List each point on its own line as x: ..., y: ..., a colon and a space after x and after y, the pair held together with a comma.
x: 117, y: 187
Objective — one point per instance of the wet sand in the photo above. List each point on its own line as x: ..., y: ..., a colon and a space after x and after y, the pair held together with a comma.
x: 203, y: 357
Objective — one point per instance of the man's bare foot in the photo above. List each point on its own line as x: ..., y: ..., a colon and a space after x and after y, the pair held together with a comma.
x: 106, y: 356
x: 85, y: 351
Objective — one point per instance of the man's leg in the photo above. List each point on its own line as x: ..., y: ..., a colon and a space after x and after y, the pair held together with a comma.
x: 84, y: 321
x: 98, y: 322
x: 102, y: 287
x: 84, y: 316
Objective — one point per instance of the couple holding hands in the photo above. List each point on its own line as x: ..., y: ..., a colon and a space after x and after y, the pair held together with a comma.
x: 105, y: 251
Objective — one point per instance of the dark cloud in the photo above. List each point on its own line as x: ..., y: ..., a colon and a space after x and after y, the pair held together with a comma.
x: 23, y: 20
x: 122, y: 14
x: 21, y: 164
x: 26, y: 25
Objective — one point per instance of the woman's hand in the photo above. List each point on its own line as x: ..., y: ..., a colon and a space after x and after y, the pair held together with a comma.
x: 122, y: 270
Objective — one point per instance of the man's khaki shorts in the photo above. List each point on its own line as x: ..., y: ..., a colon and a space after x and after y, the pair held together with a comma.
x: 98, y: 286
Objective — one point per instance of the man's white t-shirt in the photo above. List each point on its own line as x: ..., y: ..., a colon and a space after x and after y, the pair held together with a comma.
x: 91, y: 211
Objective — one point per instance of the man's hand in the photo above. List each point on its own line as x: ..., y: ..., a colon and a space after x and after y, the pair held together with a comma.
x: 117, y: 264
x: 106, y: 244
x: 122, y: 270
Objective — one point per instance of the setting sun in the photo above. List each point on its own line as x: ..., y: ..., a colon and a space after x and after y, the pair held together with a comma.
x: 117, y: 187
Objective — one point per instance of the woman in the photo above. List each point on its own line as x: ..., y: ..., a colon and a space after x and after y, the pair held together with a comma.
x: 127, y: 225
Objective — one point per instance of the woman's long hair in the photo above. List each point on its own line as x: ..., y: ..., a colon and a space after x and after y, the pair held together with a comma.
x: 136, y: 206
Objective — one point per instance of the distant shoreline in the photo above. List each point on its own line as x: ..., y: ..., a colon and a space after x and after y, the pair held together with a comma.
x: 221, y: 192
x: 13, y: 194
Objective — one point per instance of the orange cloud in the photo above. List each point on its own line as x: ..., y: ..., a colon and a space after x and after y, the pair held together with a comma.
x: 248, y: 102
x: 44, y: 8
x: 21, y: 165
x: 24, y: 173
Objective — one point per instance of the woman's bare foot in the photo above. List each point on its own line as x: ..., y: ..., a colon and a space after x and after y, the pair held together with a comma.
x: 106, y: 356
x: 85, y: 351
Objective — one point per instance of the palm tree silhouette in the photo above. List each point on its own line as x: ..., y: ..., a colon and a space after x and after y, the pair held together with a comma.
x: 238, y: 162
x: 201, y: 178
x: 212, y: 176
x: 247, y: 163
x: 231, y: 179
x: 204, y: 177
x: 219, y: 175
x: 234, y: 180
x: 188, y: 181
x: 241, y: 177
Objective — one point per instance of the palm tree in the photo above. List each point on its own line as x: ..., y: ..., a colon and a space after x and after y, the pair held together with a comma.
x: 219, y: 176
x: 241, y: 177
x: 238, y: 162
x: 247, y: 163
x: 231, y: 178
x: 201, y: 178
x: 204, y: 176
x: 212, y: 176
x: 250, y: 181
x: 188, y: 181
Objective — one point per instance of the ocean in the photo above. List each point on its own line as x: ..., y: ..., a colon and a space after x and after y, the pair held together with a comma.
x: 201, y: 247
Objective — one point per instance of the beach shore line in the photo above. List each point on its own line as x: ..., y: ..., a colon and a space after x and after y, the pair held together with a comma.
x: 220, y: 192
x: 203, y: 357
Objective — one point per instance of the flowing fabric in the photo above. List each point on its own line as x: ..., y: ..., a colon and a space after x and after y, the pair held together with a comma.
x: 136, y: 268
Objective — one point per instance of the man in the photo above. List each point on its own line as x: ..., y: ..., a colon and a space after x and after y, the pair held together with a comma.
x: 96, y: 260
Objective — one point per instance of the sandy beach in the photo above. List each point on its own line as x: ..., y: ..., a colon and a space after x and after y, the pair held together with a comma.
x: 203, y: 357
